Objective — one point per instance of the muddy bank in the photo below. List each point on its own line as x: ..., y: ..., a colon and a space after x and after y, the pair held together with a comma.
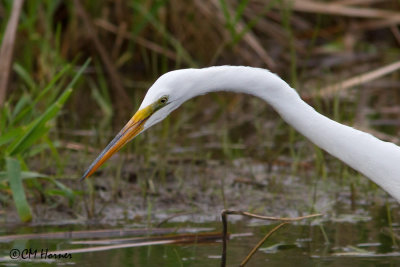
x: 197, y: 191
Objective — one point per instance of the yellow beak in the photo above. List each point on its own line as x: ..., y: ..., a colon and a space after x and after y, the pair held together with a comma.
x: 130, y: 130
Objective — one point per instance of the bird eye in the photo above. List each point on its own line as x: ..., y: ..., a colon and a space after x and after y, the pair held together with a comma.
x: 163, y: 100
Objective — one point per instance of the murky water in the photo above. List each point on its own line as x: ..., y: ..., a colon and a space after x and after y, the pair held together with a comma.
x: 359, y: 232
x: 345, y: 241
x: 358, y: 227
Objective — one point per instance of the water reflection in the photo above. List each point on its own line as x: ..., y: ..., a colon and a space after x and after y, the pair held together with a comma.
x: 331, y: 243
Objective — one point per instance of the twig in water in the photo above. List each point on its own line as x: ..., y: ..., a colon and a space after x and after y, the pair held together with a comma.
x: 251, y: 253
x: 224, y: 215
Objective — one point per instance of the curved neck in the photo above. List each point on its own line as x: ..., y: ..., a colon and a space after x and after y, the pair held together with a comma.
x: 254, y: 81
x: 357, y: 149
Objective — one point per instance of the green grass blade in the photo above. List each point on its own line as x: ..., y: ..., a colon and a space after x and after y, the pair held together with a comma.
x: 141, y: 23
x: 9, y: 136
x: 4, y: 111
x: 240, y: 10
x: 79, y: 73
x: 63, y: 191
x: 17, y: 189
x: 228, y: 19
x: 180, y: 50
x: 24, y: 175
x: 22, y: 102
x: 248, y: 26
x: 37, y: 128
x: 51, y: 84
x: 23, y: 73
x: 104, y: 103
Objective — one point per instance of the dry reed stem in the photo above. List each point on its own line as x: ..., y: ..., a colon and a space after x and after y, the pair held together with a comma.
x: 119, y: 40
x: 331, y: 90
x: 178, y: 238
x: 77, y: 146
x: 121, y: 98
x: 110, y: 247
x: 376, y: 24
x: 396, y: 33
x: 274, y: 31
x: 249, y: 37
x: 99, y: 233
x: 343, y: 10
x: 380, y: 18
x: 357, y: 2
x: 137, y: 39
x: 7, y: 48
x: 139, y: 242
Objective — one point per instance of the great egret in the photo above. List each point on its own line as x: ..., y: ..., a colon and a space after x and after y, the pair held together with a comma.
x: 376, y: 159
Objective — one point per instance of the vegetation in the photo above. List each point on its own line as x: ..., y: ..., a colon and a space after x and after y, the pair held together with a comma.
x: 61, y: 107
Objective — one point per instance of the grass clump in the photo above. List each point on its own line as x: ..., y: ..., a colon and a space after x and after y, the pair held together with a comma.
x: 24, y: 135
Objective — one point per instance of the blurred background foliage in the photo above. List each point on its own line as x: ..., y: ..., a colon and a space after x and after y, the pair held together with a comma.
x: 81, y: 68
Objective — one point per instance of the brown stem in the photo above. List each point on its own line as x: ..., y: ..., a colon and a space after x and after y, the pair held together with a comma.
x: 254, y: 250
x: 123, y: 105
x: 224, y: 236
x: 7, y: 48
x: 224, y: 216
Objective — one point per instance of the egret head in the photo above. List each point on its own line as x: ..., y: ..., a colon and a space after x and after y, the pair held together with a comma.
x: 164, y: 96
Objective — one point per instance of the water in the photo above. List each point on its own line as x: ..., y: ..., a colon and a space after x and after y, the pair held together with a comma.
x: 357, y: 227
x: 353, y: 231
x: 339, y: 242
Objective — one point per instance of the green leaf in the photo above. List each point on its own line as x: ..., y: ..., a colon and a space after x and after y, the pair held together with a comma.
x: 24, y: 175
x: 22, y: 102
x: 240, y: 10
x: 23, y: 114
x: 51, y: 84
x: 37, y: 128
x: 64, y: 191
x: 104, y: 104
x: 160, y: 27
x: 24, y: 74
x: 17, y: 189
x: 5, y: 116
x: 10, y: 135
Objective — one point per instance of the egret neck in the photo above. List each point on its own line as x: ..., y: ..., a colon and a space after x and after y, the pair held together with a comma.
x: 376, y: 159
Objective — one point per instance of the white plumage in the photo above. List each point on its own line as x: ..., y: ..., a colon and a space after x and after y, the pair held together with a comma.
x: 376, y: 159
